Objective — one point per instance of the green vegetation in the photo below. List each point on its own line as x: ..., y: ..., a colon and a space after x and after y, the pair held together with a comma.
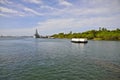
x: 101, y: 34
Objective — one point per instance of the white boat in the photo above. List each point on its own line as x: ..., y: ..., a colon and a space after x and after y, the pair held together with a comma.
x: 79, y: 40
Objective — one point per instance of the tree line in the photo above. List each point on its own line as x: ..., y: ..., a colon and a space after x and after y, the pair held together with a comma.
x: 101, y: 34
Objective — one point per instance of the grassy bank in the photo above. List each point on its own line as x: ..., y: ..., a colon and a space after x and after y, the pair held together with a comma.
x: 101, y: 34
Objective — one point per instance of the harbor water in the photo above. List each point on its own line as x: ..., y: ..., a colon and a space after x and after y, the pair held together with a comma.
x: 58, y: 59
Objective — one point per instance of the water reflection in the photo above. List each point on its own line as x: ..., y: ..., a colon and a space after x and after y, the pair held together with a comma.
x: 36, y: 46
x: 79, y: 45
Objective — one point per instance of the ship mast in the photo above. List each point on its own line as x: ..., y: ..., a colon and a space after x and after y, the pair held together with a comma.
x: 37, y: 34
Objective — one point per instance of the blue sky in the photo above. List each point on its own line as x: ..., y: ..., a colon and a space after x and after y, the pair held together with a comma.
x: 22, y: 17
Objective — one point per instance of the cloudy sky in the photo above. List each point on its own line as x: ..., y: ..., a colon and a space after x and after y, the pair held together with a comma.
x: 22, y: 17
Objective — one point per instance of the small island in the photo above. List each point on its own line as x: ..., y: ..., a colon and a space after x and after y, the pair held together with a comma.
x: 101, y: 34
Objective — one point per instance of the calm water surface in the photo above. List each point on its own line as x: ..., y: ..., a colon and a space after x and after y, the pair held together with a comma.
x: 59, y: 59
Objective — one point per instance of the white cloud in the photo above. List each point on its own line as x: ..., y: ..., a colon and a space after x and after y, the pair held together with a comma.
x: 65, y: 3
x: 34, y: 1
x: 80, y: 12
x: 55, y: 23
x: 18, y: 9
x: 52, y: 26
x: 99, y: 7
x: 7, y: 10
x: 5, y: 2
x: 61, y: 25
x: 89, y: 11
x: 3, y: 15
x: 32, y: 11
x: 47, y: 7
x: 58, y: 25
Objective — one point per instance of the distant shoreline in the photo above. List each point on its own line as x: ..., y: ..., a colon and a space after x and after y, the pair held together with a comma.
x: 101, y: 34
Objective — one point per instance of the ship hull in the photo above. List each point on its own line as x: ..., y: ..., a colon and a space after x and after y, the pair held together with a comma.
x: 79, y: 40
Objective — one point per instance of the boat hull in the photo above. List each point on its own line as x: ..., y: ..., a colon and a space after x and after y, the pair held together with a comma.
x: 79, y: 41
